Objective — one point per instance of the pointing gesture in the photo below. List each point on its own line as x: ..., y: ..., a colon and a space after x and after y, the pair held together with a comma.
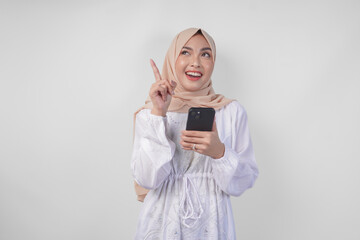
x: 161, y: 92
x: 155, y: 70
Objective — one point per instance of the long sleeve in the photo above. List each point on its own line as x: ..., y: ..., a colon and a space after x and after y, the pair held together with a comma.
x: 152, y: 150
x: 237, y: 170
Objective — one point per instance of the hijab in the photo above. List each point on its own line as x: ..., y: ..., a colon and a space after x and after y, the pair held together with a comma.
x: 183, y: 100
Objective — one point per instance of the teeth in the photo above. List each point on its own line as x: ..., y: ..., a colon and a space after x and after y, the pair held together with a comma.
x: 195, y: 74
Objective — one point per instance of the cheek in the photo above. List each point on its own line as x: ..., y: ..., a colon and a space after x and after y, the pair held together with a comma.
x: 208, y: 67
x: 180, y: 65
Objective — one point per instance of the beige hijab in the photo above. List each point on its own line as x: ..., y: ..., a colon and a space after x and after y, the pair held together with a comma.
x: 183, y: 100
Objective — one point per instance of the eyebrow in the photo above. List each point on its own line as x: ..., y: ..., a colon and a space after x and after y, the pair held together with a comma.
x: 203, y: 49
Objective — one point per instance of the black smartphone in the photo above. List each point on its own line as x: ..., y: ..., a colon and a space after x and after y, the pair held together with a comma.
x: 200, y: 119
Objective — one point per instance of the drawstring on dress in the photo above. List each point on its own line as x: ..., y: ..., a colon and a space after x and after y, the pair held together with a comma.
x: 187, y: 206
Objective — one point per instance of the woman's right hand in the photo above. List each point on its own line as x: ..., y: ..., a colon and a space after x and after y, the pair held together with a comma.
x: 161, y: 92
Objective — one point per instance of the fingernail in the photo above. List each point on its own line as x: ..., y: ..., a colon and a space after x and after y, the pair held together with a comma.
x: 173, y: 82
x: 173, y: 92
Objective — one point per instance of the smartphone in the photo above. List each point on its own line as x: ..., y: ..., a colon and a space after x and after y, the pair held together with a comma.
x: 200, y: 119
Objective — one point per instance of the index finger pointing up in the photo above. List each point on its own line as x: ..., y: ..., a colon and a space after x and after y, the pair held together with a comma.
x: 155, y: 70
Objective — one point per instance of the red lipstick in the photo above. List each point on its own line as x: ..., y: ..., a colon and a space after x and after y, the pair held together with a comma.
x: 193, y: 75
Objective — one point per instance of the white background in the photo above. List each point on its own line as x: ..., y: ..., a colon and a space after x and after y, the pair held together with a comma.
x: 73, y: 72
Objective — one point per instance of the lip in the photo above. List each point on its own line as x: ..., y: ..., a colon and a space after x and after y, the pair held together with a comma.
x: 191, y: 78
x: 194, y: 71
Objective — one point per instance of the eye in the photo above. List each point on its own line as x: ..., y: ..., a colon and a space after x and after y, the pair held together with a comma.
x: 207, y: 55
x: 184, y: 52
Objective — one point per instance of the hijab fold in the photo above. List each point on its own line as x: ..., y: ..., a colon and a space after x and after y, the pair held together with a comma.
x: 183, y: 100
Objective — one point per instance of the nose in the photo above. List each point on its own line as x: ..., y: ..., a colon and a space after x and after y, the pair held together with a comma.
x: 195, y: 61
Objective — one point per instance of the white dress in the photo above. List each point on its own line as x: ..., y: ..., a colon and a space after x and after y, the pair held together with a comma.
x: 190, y: 192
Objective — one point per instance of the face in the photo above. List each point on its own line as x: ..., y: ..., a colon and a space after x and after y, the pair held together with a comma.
x: 194, y: 64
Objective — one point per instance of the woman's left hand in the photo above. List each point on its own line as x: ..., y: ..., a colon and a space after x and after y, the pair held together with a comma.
x: 207, y: 143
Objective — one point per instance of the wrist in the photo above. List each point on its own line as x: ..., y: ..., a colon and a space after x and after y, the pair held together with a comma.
x: 221, y: 152
x: 158, y: 112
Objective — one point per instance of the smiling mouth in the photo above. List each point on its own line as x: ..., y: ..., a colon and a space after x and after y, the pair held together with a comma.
x: 193, y: 75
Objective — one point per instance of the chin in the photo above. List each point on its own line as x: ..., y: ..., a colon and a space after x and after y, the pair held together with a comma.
x: 193, y: 86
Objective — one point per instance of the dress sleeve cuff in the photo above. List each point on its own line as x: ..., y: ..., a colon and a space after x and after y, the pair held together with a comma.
x: 158, y: 126
x: 226, y: 160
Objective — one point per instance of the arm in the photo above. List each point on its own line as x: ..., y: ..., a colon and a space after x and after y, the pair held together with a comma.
x: 152, y: 150
x: 237, y: 170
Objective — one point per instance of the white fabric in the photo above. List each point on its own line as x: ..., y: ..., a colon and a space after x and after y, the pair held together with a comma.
x: 190, y: 192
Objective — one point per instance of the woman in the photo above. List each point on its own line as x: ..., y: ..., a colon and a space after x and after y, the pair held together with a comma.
x: 190, y: 174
